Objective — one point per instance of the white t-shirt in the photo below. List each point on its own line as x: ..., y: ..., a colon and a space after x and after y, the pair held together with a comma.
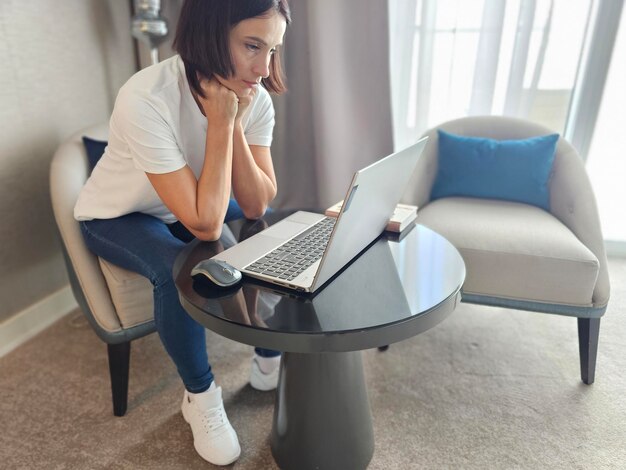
x: 157, y: 127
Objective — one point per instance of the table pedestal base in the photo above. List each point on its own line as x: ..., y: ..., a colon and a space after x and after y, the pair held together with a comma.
x: 322, y: 417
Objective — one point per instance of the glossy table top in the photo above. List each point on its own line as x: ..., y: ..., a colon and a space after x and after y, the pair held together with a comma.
x: 390, y: 292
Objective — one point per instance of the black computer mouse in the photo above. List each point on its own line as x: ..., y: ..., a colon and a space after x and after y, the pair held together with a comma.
x: 218, y: 272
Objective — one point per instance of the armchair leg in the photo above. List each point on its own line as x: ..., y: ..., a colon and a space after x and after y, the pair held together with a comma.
x: 119, y: 360
x: 588, y: 332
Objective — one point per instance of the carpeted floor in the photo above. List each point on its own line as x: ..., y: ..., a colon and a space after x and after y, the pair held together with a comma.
x: 488, y: 388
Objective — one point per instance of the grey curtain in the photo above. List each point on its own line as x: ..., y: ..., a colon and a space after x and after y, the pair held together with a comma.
x: 336, y: 116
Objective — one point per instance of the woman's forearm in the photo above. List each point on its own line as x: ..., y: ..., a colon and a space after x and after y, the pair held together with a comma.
x: 252, y: 187
x: 214, y: 183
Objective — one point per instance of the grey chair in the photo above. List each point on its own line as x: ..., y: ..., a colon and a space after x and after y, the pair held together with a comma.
x: 520, y: 256
x: 117, y: 303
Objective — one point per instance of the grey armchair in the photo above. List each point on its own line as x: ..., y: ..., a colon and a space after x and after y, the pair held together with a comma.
x: 118, y: 303
x: 520, y: 256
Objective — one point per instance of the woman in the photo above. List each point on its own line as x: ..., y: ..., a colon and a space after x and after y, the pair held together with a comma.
x: 183, y: 134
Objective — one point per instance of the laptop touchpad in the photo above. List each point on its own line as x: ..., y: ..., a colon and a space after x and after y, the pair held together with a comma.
x: 284, y: 229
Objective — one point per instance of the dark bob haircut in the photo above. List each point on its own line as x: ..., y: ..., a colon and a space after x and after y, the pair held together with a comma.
x: 203, y: 32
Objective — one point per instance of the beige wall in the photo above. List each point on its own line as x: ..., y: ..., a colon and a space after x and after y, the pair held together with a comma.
x: 61, y: 64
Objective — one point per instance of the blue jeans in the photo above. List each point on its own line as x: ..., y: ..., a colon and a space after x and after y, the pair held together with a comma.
x: 146, y: 245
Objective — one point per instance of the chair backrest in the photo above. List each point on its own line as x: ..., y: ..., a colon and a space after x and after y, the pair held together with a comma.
x: 68, y: 172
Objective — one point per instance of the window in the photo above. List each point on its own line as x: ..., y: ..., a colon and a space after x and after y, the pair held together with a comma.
x: 542, y: 60
x: 606, y: 163
x: 474, y: 57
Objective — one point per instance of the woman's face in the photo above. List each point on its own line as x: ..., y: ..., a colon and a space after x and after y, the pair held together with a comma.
x: 252, y: 44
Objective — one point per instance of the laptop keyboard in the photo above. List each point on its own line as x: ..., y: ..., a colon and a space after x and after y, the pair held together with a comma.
x: 290, y: 259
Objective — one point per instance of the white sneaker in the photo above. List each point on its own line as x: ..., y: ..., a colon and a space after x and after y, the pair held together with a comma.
x: 213, y: 436
x: 262, y: 379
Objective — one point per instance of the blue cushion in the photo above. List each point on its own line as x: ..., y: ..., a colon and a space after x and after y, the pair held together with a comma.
x: 513, y: 170
x: 95, y: 149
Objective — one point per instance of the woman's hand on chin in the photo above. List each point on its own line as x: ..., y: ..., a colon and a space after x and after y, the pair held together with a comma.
x: 244, y: 102
x: 245, y: 95
x: 219, y: 104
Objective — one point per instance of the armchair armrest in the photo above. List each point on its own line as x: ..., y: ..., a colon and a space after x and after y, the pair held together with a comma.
x: 572, y: 201
x: 68, y: 173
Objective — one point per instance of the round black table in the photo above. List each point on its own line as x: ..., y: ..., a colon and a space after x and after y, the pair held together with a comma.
x: 397, y: 288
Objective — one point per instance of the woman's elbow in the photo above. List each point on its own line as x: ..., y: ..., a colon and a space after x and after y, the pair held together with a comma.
x: 254, y: 212
x: 206, y: 232
x: 209, y: 235
x: 258, y: 209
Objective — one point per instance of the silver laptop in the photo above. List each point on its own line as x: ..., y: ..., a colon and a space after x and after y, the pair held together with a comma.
x: 305, y: 250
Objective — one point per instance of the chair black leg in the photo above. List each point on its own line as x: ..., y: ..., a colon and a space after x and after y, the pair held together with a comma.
x: 588, y: 332
x: 119, y: 360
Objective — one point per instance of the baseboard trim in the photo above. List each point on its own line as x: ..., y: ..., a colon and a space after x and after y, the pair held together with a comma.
x: 24, y: 325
